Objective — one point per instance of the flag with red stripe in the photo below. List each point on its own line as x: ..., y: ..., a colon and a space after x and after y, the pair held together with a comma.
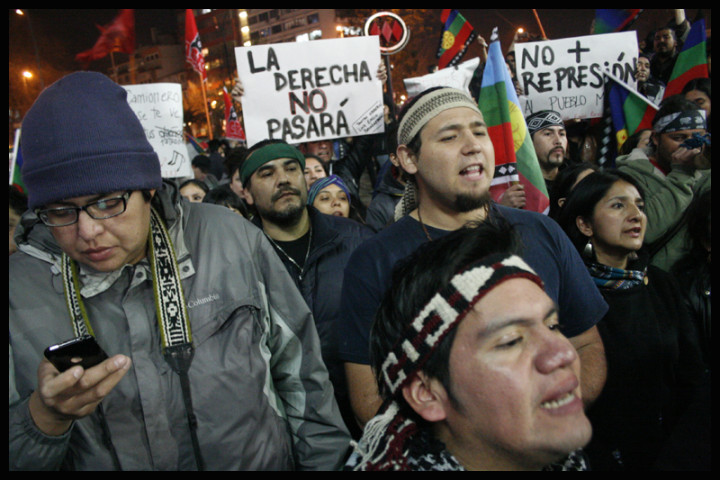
x: 691, y: 62
x: 233, y: 128
x: 193, y: 46
x: 456, y: 36
x: 117, y: 36
x: 515, y: 158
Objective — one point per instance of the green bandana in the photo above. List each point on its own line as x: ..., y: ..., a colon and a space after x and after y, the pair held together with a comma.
x: 267, y: 154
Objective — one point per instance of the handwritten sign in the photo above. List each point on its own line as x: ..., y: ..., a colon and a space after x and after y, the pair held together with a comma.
x: 311, y: 91
x: 160, y: 110
x: 458, y: 76
x: 566, y: 75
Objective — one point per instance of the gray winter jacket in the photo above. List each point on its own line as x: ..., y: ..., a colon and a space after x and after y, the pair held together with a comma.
x: 260, y: 391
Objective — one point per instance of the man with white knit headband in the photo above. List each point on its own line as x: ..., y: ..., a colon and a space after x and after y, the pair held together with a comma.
x: 445, y: 148
x: 472, y: 366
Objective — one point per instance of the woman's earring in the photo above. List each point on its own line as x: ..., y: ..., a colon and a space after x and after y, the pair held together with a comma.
x: 587, y: 252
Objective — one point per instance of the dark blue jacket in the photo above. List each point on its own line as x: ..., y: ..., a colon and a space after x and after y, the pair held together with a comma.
x: 320, y: 283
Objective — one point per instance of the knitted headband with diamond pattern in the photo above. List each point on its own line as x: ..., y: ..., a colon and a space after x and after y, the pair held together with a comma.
x: 543, y: 119
x: 427, y: 107
x: 445, y: 311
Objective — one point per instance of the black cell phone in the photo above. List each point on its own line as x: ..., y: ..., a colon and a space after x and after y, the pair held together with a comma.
x: 83, y: 351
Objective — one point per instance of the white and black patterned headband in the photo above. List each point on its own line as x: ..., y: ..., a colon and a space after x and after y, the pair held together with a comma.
x: 543, y: 119
x: 685, y: 120
x: 428, y: 107
x: 387, y: 436
x: 445, y: 311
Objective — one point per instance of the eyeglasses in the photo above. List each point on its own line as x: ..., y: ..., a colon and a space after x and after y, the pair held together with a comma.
x: 100, y: 210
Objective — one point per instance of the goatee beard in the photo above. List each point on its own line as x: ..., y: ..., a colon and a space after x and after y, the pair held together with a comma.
x: 284, y: 218
x: 467, y: 203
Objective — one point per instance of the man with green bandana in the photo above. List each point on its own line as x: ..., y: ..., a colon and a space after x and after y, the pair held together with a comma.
x: 313, y: 246
x: 671, y: 175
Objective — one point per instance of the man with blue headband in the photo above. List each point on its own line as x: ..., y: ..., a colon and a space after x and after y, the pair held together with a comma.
x: 674, y: 171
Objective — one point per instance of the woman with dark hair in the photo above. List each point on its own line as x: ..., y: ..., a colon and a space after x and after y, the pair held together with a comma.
x: 697, y: 91
x: 653, y: 358
x: 565, y: 181
x: 194, y: 190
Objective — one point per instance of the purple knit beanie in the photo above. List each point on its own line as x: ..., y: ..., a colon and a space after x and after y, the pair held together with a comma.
x: 82, y: 138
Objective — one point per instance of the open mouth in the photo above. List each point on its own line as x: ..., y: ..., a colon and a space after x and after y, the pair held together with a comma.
x: 473, y: 172
x: 558, y: 402
x: 634, y: 232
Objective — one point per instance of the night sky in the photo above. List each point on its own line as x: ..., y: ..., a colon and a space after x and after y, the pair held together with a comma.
x: 73, y: 30
x: 61, y: 34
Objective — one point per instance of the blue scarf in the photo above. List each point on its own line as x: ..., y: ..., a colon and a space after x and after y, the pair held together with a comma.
x: 611, y: 278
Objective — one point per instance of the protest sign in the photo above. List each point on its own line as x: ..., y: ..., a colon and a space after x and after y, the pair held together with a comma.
x: 458, y: 76
x: 160, y: 110
x: 311, y: 91
x: 566, y: 75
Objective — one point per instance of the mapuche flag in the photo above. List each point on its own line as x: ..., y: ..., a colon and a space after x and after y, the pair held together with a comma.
x: 691, y: 62
x: 515, y: 158
x: 608, y: 20
x: 193, y: 47
x: 456, y: 36
x: 629, y: 110
x: 117, y: 36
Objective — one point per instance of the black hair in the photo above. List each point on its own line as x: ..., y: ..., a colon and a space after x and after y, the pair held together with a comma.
x: 234, y: 160
x: 223, y: 195
x: 202, y: 162
x: 563, y: 184
x: 320, y: 161
x: 198, y: 183
x: 415, y: 281
x: 702, y: 84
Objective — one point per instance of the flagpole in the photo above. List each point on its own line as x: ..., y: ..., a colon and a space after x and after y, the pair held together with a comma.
x: 630, y: 89
x: 207, y: 113
x: 112, y: 61
x: 537, y: 18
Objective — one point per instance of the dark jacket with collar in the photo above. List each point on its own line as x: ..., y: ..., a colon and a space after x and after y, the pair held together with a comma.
x: 320, y: 282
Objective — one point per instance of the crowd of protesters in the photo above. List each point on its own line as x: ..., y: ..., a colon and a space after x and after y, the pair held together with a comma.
x: 363, y: 303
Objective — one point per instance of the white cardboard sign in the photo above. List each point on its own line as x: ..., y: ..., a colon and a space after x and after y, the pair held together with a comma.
x: 309, y: 91
x: 159, y: 106
x: 566, y: 75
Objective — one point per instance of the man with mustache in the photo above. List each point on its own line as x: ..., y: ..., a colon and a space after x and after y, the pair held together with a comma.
x: 313, y: 246
x: 547, y: 131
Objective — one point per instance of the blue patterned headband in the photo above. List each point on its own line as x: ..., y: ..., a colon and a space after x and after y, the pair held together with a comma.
x: 324, y: 182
